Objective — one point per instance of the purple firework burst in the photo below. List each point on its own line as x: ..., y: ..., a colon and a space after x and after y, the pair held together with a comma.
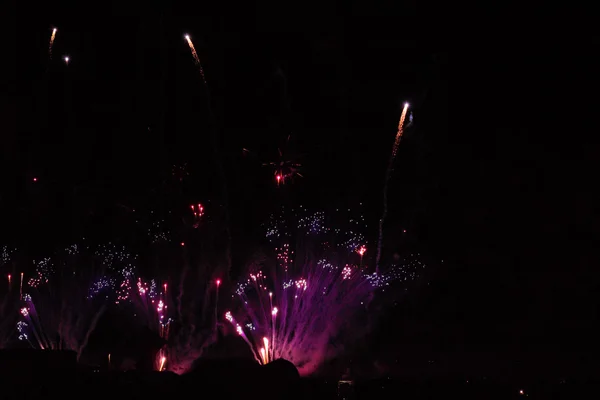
x: 56, y: 311
x: 183, y: 315
x: 298, y: 307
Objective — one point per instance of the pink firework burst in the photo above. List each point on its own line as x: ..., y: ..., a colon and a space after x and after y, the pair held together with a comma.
x: 294, y: 318
x: 56, y: 309
x: 152, y: 306
x: 301, y: 308
x: 183, y: 315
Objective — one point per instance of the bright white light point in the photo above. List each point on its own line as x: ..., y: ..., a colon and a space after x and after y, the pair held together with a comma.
x: 187, y: 37
x: 405, y: 104
x: 54, y: 30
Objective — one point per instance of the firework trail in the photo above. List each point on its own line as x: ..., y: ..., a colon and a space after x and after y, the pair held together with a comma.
x: 196, y: 58
x: 57, y: 312
x: 180, y: 294
x: 187, y: 335
x: 147, y: 300
x: 388, y: 173
x: 51, y: 43
x: 152, y: 305
x: 196, y: 328
x: 296, y: 306
x: 216, y: 153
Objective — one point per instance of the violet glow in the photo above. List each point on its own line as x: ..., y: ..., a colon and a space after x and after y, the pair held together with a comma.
x: 296, y: 309
x: 181, y: 314
x: 56, y: 311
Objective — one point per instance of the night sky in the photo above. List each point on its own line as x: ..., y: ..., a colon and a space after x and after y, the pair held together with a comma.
x: 484, y: 180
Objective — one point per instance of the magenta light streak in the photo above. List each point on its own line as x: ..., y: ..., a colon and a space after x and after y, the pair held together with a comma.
x: 300, y: 316
x: 56, y: 311
x: 313, y: 294
x: 187, y: 302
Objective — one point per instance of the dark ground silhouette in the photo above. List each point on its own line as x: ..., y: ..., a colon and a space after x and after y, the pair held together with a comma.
x: 31, y: 374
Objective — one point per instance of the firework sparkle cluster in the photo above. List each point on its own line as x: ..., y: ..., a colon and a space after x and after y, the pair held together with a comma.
x: 117, y: 282
x: 340, y: 228
x: 296, y: 306
x: 55, y: 312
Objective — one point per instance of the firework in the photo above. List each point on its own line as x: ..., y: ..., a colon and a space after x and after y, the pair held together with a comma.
x: 158, y: 233
x: 152, y: 306
x: 196, y: 324
x: 181, y: 319
x: 56, y: 311
x: 286, y: 166
x: 180, y: 172
x: 43, y: 271
x: 361, y: 251
x: 195, y: 55
x: 341, y: 229
x: 387, y: 179
x: 294, y: 307
x: 220, y: 168
x: 218, y: 284
x: 9, y: 301
x: 66, y: 59
x: 52, y: 36
x: 198, y: 212
x: 296, y: 318
x: 5, y: 256
x: 118, y: 278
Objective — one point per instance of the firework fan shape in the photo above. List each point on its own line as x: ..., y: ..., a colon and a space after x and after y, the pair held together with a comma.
x: 151, y: 307
x: 183, y: 315
x: 299, y: 306
x: 56, y: 311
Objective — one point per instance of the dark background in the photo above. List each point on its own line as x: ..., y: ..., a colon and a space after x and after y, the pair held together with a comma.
x: 494, y: 177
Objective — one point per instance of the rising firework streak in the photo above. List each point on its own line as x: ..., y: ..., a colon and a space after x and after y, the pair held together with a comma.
x: 195, y: 55
x: 51, y: 42
x: 387, y: 179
